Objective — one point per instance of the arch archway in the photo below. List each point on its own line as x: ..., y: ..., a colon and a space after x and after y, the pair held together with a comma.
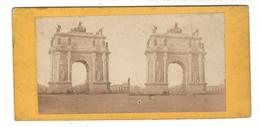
x: 80, y: 77
x: 175, y: 78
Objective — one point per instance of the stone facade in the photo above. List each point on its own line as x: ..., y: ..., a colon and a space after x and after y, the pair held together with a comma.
x: 174, y: 46
x: 77, y: 45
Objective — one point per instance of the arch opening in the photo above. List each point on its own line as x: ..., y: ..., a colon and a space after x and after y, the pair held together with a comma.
x: 175, y: 78
x: 80, y: 77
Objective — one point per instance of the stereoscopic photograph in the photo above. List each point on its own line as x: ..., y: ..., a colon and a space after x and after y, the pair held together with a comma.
x: 131, y: 63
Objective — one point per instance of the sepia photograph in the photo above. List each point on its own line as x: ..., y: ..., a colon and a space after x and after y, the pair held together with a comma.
x: 131, y: 64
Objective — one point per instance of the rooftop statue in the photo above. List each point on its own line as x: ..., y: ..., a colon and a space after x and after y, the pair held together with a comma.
x: 100, y: 31
x: 154, y: 29
x: 196, y: 33
x: 58, y: 28
x: 79, y: 28
x: 176, y: 29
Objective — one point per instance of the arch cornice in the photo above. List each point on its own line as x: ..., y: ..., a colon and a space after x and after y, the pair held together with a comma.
x: 177, y: 36
x: 78, y: 51
x: 84, y: 35
x: 176, y: 52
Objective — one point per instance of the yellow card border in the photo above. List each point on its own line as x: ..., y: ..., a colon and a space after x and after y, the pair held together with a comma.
x: 236, y: 60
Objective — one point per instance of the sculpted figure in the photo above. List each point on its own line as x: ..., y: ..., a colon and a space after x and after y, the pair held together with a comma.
x: 196, y: 33
x: 58, y: 28
x: 154, y: 29
x: 100, y: 31
x: 99, y: 75
x: 62, y: 74
x: 79, y: 28
x: 176, y: 29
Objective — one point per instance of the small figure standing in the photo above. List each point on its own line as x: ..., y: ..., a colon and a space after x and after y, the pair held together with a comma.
x: 128, y: 85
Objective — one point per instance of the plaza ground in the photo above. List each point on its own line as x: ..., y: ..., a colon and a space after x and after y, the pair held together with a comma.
x: 123, y: 103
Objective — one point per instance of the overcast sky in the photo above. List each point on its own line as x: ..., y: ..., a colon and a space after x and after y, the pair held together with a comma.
x: 127, y: 37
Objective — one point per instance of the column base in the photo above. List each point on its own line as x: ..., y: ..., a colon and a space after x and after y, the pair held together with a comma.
x: 99, y: 87
x: 156, y: 88
x: 60, y: 88
x: 196, y: 88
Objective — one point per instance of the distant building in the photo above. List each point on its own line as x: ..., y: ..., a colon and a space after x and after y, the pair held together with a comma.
x: 137, y: 90
x: 216, y: 89
x: 120, y: 88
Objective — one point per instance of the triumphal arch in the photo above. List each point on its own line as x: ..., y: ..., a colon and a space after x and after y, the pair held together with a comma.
x: 175, y: 46
x: 78, y: 45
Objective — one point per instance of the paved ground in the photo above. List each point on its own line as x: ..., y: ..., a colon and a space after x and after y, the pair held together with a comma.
x: 122, y: 103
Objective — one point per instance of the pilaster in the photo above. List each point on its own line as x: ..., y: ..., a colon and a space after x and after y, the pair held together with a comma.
x: 203, y: 68
x: 58, y: 67
x: 189, y: 68
x: 94, y: 67
x: 52, y: 67
x: 154, y: 66
x: 147, y: 68
x: 69, y: 65
x: 165, y: 67
x: 104, y: 67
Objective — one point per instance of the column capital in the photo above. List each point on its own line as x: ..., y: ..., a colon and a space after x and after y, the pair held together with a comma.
x: 154, y: 55
x: 165, y: 49
x: 104, y: 56
x: 58, y: 53
x: 69, y: 54
x: 165, y: 56
x: 93, y: 55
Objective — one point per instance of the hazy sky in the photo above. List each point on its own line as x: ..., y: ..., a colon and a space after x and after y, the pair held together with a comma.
x: 127, y: 37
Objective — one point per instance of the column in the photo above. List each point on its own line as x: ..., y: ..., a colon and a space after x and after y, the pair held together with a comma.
x: 200, y: 68
x: 189, y: 68
x: 51, y: 72
x: 54, y: 68
x: 203, y: 68
x: 147, y: 68
x: 107, y: 67
x: 58, y: 67
x: 104, y: 67
x: 68, y: 64
x: 165, y: 67
x: 154, y: 67
x: 93, y: 67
